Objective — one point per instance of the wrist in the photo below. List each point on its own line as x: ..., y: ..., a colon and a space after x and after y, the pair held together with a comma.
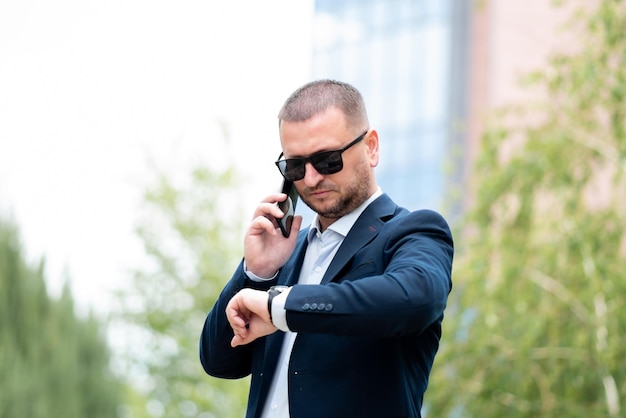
x: 255, y: 276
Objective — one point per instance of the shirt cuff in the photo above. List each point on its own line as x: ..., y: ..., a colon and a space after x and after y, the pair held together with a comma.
x: 279, y: 314
x: 256, y: 278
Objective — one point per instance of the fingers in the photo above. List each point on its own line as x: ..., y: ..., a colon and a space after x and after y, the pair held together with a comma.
x: 243, y: 335
x: 275, y: 197
x: 295, y: 227
x: 258, y: 328
x: 263, y: 224
x: 248, y: 317
x: 239, y: 339
x: 239, y: 315
x: 268, y: 206
x: 266, y: 214
x: 240, y: 326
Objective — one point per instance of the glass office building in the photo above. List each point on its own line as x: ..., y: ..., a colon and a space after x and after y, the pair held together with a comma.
x: 408, y: 58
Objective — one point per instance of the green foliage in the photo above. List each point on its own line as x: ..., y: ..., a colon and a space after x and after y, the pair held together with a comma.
x: 52, y: 364
x: 536, y: 325
x: 192, y: 235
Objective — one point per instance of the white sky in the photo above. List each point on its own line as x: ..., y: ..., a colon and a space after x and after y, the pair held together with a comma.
x: 92, y: 91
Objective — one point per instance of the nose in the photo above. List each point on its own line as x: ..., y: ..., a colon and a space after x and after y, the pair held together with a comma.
x: 311, y: 176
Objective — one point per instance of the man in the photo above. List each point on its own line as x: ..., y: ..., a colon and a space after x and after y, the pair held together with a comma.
x: 354, y: 328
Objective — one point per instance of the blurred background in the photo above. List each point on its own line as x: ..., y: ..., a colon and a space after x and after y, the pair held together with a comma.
x: 137, y: 137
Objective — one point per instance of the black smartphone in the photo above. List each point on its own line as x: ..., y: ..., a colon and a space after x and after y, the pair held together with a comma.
x: 288, y: 206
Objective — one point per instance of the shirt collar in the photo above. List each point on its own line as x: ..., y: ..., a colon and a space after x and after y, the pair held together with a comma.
x: 343, y: 225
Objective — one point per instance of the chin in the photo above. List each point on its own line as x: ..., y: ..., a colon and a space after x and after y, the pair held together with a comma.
x: 323, y: 209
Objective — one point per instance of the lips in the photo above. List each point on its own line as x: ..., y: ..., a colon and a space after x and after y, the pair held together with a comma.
x: 319, y: 191
x: 319, y: 194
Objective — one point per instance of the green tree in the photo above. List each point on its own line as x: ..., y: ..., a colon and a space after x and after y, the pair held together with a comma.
x: 536, y: 326
x: 191, y: 234
x: 52, y: 364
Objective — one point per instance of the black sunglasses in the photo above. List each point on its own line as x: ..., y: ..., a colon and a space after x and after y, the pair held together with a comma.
x: 326, y: 162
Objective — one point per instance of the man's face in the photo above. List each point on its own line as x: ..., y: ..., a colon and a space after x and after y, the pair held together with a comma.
x: 332, y: 195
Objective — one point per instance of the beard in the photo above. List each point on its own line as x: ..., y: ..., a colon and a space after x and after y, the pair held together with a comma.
x: 350, y: 197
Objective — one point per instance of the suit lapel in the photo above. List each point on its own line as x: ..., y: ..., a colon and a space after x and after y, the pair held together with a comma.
x: 364, y: 230
x: 293, y: 266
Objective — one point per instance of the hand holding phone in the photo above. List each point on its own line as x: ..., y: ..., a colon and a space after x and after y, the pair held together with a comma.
x: 288, y: 206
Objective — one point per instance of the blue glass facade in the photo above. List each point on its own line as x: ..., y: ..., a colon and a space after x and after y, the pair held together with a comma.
x: 406, y: 57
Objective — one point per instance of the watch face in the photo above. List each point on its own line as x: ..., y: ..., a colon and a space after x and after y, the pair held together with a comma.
x: 279, y: 288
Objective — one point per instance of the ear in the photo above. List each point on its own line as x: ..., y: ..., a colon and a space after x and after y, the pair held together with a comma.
x: 371, y: 142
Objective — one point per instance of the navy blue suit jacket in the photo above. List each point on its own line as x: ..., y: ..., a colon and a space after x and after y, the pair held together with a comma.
x: 368, y: 351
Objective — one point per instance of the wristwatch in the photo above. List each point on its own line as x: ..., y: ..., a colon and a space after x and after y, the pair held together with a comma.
x: 271, y: 293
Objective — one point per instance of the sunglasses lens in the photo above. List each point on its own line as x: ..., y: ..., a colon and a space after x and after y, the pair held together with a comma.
x: 292, y: 169
x: 327, y: 162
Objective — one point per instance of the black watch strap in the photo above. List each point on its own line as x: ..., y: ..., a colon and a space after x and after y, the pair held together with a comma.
x: 271, y: 294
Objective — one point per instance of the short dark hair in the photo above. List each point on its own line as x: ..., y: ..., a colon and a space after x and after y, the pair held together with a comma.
x: 320, y: 95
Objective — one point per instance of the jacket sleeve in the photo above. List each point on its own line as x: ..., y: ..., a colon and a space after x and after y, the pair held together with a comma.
x: 397, y: 284
x: 218, y: 358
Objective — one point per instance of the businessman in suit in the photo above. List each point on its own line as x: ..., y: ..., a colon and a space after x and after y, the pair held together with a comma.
x: 342, y: 318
